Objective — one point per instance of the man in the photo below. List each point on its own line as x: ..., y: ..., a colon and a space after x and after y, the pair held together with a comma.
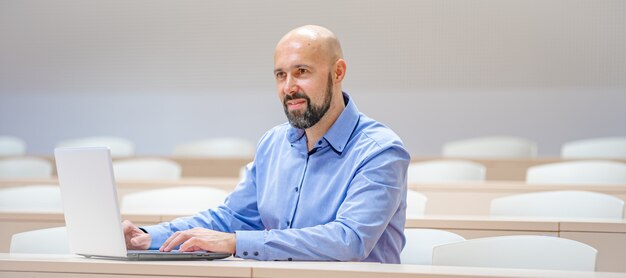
x: 329, y: 185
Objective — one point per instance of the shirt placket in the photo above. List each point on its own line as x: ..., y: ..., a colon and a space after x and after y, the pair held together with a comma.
x: 295, y: 189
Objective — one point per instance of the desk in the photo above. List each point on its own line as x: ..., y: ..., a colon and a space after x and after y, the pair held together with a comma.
x: 484, y: 226
x: 507, y: 168
x: 34, y: 265
x: 194, y: 166
x: 471, y: 198
x: 608, y: 237
x: 474, y: 198
x: 497, y: 169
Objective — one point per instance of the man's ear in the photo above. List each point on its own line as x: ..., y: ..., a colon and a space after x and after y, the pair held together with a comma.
x: 340, y: 70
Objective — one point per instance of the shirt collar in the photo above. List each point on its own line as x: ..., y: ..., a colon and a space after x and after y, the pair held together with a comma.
x: 339, y: 133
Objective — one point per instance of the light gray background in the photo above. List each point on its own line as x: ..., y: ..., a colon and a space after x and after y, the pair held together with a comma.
x: 163, y: 72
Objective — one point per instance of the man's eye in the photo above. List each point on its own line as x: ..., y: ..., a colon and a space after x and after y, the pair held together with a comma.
x: 280, y: 75
x: 302, y: 71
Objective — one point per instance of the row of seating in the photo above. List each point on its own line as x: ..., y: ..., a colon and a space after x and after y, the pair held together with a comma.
x: 517, y: 147
x: 480, y: 147
x: 179, y: 200
x: 122, y: 147
x: 605, y: 172
x: 561, y: 204
x: 185, y: 200
x: 423, y: 246
x: 124, y: 169
x: 434, y: 171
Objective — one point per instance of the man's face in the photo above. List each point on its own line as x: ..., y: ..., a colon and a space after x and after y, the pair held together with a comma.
x: 304, y: 83
x: 312, y: 113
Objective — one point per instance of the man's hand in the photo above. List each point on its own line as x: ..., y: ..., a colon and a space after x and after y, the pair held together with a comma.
x: 201, y: 239
x: 136, y: 239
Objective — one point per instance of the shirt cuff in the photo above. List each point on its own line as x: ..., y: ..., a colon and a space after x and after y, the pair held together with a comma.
x: 158, y: 234
x: 251, y: 245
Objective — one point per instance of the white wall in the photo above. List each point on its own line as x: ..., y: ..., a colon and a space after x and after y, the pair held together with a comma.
x: 161, y: 72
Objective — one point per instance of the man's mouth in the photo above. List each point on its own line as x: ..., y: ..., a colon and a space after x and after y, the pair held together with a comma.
x: 296, y: 104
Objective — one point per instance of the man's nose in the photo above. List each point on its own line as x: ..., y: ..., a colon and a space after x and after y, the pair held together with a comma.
x: 289, y: 87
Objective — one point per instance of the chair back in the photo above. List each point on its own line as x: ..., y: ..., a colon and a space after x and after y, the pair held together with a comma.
x: 519, y: 251
x: 120, y: 147
x: 12, y: 146
x: 420, y: 243
x: 567, y: 204
x: 146, y: 169
x: 491, y: 147
x: 31, y: 199
x: 25, y: 168
x: 595, y: 148
x: 43, y: 241
x: 224, y: 147
x: 578, y: 172
x: 180, y: 200
x: 445, y: 171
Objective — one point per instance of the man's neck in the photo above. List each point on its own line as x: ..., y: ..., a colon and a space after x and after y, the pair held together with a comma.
x: 315, y: 133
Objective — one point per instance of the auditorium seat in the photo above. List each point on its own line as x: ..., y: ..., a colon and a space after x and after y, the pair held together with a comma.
x: 491, y: 147
x: 518, y: 251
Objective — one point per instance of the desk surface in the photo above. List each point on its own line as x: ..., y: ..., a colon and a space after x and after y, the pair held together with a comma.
x: 19, y: 265
x: 497, y: 169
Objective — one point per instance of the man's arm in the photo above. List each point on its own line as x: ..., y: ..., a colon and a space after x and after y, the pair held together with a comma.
x: 239, y: 211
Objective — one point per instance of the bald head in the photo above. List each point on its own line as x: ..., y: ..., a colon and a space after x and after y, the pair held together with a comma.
x: 312, y: 38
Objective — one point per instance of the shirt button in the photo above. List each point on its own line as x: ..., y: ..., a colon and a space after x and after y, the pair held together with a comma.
x: 296, y: 189
x: 245, y: 253
x: 319, y: 143
x: 256, y: 253
x: 288, y: 223
x: 290, y: 259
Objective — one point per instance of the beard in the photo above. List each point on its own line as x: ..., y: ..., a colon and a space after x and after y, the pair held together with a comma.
x: 313, y: 113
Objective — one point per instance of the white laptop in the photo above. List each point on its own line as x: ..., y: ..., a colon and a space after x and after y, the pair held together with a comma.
x: 91, y: 209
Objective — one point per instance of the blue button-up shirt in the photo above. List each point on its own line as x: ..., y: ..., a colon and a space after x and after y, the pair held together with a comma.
x: 344, y: 200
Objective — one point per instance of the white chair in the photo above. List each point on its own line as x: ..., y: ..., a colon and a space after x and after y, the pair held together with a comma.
x: 443, y: 171
x: 415, y: 203
x: 578, y: 172
x: 224, y: 147
x: 12, y: 146
x: 31, y: 198
x: 420, y: 243
x: 491, y: 147
x: 559, y: 204
x: 146, y: 169
x: 25, y: 167
x: 120, y: 147
x: 43, y: 241
x: 183, y: 200
x: 520, y: 251
x: 604, y: 148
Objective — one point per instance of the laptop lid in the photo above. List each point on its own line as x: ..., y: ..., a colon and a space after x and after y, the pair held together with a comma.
x: 91, y: 209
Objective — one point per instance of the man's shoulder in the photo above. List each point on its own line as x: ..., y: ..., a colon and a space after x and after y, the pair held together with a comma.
x: 277, y: 132
x: 377, y: 132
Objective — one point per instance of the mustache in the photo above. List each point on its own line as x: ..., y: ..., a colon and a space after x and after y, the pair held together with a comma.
x: 295, y: 96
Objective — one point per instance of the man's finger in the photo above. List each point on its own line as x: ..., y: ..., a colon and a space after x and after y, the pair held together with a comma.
x: 173, y: 241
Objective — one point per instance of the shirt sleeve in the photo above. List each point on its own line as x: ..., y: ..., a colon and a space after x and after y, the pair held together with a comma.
x: 239, y: 212
x: 374, y: 196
